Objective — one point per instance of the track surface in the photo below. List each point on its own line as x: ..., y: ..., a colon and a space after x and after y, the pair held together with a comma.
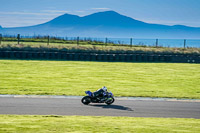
x: 131, y: 108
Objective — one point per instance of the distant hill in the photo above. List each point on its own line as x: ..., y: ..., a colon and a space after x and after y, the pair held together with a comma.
x: 105, y: 24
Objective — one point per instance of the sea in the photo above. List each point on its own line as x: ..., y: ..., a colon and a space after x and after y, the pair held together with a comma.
x: 179, y: 43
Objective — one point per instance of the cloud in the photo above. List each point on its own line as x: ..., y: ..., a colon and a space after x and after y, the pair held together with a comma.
x: 100, y: 8
x: 29, y: 13
x: 19, y: 19
x: 55, y: 11
x: 16, y: 21
x: 80, y: 11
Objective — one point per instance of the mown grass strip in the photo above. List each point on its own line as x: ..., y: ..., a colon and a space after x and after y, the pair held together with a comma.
x: 61, y: 124
x: 123, y: 79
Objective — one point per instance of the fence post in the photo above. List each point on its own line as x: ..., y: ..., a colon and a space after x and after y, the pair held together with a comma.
x: 48, y: 40
x: 184, y: 43
x: 106, y: 41
x: 131, y: 42
x: 156, y: 42
x: 18, y: 38
x: 78, y: 41
x: 1, y: 38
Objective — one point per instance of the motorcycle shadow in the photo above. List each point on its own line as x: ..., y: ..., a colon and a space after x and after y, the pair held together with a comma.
x: 119, y: 107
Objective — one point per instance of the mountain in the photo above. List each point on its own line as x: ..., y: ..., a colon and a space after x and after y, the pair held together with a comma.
x: 105, y: 24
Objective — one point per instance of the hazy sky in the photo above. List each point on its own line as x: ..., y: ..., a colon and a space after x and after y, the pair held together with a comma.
x: 15, y: 13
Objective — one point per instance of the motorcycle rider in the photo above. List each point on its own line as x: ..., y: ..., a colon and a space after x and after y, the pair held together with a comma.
x: 99, y: 94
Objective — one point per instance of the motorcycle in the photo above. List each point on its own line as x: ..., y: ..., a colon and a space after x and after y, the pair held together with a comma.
x: 107, y: 98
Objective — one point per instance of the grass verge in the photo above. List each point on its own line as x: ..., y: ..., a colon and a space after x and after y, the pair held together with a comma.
x: 123, y: 79
x: 39, y: 46
x: 61, y: 124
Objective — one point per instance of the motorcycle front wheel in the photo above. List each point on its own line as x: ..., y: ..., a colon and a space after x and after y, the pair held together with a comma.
x: 86, y: 100
x: 110, y: 101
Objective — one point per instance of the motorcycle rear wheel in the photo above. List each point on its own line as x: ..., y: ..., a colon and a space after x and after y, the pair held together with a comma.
x: 86, y: 100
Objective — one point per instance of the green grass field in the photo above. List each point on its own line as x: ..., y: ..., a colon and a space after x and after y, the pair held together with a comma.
x: 123, y: 79
x: 64, y: 124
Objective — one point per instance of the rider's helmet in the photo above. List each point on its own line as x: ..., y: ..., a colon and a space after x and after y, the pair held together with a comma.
x: 104, y: 88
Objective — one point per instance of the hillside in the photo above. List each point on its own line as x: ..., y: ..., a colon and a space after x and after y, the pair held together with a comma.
x: 105, y: 24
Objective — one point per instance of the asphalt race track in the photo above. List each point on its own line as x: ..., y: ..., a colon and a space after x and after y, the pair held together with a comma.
x: 67, y: 106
